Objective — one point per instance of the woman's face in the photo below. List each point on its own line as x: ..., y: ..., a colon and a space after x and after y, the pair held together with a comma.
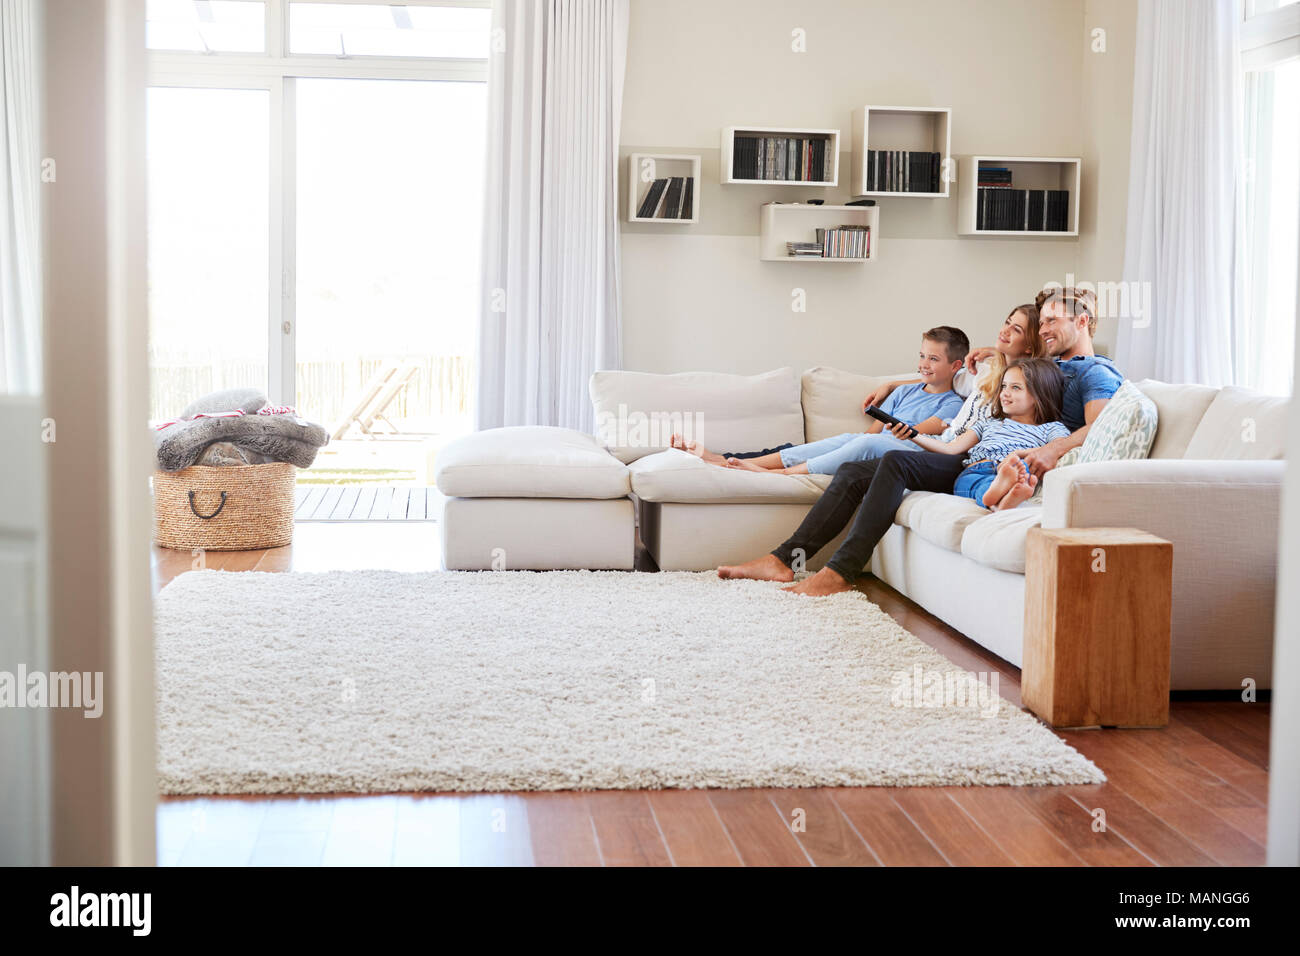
x: 1013, y: 339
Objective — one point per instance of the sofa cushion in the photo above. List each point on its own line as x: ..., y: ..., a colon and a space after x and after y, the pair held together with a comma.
x: 1180, y: 409
x: 998, y: 539
x: 832, y: 400
x: 638, y: 412
x: 1241, y: 424
x: 530, y: 461
x: 677, y: 476
x: 939, y: 518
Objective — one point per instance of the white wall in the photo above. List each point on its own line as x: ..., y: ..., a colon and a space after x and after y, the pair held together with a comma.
x: 1284, y: 756
x: 1020, y: 79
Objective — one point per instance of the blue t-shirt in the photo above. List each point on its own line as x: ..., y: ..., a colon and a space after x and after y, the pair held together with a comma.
x: 1000, y: 437
x: 913, y: 404
x: 1087, y: 379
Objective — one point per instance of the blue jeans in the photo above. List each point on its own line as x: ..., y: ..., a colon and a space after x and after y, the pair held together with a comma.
x: 975, y: 480
x: 824, y: 456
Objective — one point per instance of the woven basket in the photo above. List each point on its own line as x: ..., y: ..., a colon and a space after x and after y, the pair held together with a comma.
x: 235, y: 508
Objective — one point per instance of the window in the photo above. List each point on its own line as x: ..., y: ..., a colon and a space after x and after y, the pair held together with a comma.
x: 208, y: 172
x: 315, y: 186
x: 206, y: 26
x: 1269, y: 243
x: 361, y: 29
x: 387, y: 269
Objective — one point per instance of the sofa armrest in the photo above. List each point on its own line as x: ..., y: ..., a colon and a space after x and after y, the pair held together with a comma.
x: 1222, y: 517
x: 1135, y: 493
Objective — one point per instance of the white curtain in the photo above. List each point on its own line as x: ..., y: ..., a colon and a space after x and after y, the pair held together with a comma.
x: 1183, y: 174
x: 550, y: 305
x: 20, y: 198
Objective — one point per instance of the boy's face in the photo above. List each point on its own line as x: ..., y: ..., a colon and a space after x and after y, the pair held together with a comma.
x: 934, y: 367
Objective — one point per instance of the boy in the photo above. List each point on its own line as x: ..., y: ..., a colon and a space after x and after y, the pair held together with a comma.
x: 927, y: 405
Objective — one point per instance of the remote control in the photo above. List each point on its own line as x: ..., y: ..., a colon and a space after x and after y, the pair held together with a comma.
x: 883, y: 416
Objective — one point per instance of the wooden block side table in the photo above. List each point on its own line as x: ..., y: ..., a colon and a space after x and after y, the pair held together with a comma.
x: 1097, y: 627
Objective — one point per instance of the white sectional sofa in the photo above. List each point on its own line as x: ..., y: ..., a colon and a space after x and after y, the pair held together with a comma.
x: 1212, y: 486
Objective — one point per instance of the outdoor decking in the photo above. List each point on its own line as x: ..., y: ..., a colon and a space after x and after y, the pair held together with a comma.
x: 367, y: 503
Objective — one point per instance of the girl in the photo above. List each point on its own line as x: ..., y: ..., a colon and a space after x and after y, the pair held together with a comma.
x: 1024, y: 416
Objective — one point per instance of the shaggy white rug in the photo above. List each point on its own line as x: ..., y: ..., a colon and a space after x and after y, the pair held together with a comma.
x: 365, y: 681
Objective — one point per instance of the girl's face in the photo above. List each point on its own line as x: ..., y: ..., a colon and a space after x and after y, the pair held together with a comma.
x: 1013, y: 339
x: 1014, y: 397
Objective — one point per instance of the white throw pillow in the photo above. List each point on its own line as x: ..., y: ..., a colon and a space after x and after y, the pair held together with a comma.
x: 1181, y: 408
x: 1241, y: 424
x: 832, y: 400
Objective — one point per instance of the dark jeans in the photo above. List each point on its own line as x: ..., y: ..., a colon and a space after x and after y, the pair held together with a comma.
x: 878, y: 486
x: 757, y: 454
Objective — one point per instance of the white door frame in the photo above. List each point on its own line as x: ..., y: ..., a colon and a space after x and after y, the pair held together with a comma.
x: 96, y: 391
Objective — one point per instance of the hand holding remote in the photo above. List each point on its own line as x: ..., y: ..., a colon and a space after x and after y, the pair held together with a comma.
x: 892, y: 423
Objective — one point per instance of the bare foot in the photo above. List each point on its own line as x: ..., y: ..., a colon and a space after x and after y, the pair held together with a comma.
x: 747, y: 464
x: 766, y: 568
x: 1020, y: 492
x: 821, y: 584
x: 1009, y: 472
x: 696, y: 449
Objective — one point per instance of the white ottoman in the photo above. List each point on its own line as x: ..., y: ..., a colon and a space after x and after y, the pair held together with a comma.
x: 534, y: 498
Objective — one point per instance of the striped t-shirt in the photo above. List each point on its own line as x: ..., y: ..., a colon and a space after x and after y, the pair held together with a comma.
x: 1000, y: 437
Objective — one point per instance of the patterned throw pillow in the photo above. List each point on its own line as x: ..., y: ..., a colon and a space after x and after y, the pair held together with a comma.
x: 1125, y: 429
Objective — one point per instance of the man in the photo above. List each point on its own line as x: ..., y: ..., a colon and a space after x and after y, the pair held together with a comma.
x: 1067, y: 323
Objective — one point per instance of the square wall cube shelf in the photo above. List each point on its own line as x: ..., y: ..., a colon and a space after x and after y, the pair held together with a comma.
x: 642, y: 171
x: 926, y: 129
x: 1027, y: 172
x: 780, y: 223
x: 831, y: 138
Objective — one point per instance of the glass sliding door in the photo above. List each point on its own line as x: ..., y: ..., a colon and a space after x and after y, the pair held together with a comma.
x: 388, y: 210
x: 209, y: 203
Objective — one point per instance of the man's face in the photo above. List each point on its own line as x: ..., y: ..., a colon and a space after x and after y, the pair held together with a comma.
x: 1058, y: 330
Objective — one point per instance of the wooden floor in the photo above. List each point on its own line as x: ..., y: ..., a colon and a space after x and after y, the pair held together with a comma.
x: 1193, y: 793
x: 366, y: 503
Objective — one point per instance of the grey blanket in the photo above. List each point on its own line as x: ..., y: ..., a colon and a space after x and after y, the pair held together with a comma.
x: 253, y: 438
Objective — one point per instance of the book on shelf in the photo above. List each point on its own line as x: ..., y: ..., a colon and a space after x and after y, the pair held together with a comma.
x: 994, y: 176
x: 842, y: 242
x: 670, y: 198
x: 903, y: 171
x: 795, y: 159
x: 1004, y: 209
x: 805, y: 250
x: 651, y: 201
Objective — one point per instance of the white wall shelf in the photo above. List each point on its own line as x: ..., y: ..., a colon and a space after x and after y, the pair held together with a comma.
x: 1027, y: 172
x: 732, y: 133
x: 914, y: 128
x: 780, y: 223
x: 644, y: 168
